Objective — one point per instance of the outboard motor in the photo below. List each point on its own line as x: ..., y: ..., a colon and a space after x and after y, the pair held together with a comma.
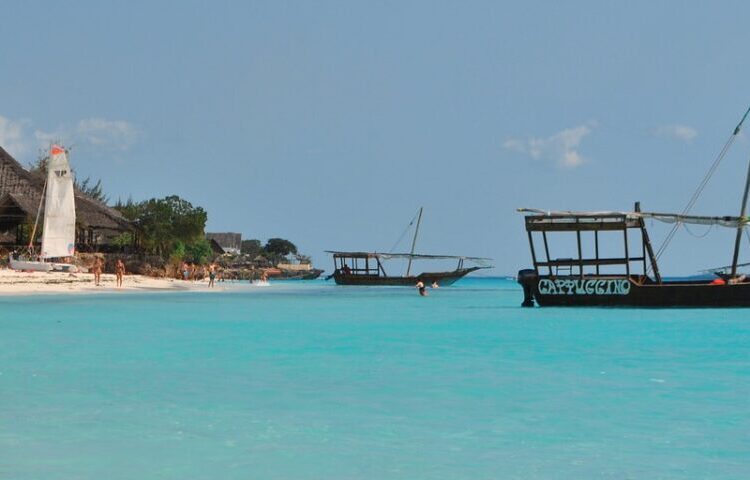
x: 528, y: 279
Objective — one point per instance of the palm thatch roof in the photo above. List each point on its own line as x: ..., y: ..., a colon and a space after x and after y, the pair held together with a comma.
x: 21, y: 191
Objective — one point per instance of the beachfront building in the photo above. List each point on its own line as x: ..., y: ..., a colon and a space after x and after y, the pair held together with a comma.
x: 97, y: 225
x: 230, y: 242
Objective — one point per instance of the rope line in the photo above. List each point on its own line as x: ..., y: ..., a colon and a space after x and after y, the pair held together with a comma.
x: 403, y: 234
x: 698, y: 191
x: 695, y: 235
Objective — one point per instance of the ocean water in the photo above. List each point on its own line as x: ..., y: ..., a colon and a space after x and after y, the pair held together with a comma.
x: 312, y: 381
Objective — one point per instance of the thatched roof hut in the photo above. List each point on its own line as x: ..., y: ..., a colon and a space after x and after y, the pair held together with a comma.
x: 21, y: 195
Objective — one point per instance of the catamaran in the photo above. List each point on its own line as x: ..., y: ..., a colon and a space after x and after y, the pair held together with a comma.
x: 630, y: 278
x: 366, y: 268
x: 59, y: 228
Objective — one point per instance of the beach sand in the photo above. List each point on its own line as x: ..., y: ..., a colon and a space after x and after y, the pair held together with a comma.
x: 22, y: 283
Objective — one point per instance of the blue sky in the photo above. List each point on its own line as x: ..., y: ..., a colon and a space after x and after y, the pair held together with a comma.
x: 330, y: 123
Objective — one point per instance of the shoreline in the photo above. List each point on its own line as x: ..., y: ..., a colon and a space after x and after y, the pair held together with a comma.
x: 16, y: 283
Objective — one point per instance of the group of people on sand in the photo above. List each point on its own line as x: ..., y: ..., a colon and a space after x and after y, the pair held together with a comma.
x: 195, y: 272
x: 98, y: 267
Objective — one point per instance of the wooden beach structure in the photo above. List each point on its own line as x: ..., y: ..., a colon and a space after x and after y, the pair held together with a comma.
x: 21, y: 192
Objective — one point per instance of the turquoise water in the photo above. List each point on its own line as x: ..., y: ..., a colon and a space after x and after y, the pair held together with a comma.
x: 313, y: 381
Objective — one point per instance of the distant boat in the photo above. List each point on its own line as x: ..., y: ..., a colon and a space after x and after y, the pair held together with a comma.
x: 59, y: 229
x: 366, y: 268
x: 630, y: 277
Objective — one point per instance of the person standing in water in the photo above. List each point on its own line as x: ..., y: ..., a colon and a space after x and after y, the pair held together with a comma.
x: 421, y: 288
x: 119, y: 271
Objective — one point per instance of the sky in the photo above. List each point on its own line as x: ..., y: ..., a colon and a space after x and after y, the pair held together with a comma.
x: 331, y: 123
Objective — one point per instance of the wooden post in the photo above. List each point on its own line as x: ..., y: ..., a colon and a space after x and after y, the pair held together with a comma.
x: 627, y: 254
x: 580, y: 254
x: 596, y: 249
x: 546, y: 251
x: 740, y: 223
x: 533, y: 252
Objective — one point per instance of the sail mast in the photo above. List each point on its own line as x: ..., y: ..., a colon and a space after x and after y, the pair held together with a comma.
x: 36, y: 221
x: 414, y: 240
x: 741, y: 223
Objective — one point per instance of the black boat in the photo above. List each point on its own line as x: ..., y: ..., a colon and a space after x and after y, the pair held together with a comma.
x: 631, y: 279
x: 366, y: 268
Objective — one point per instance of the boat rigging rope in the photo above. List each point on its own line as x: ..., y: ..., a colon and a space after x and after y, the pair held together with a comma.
x: 701, y: 186
x: 403, y: 234
x: 704, y: 235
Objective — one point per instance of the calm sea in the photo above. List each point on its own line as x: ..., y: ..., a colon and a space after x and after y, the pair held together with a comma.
x: 313, y: 381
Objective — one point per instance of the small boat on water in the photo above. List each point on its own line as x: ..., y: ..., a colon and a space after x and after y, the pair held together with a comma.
x: 632, y: 278
x: 59, y: 227
x: 366, y: 268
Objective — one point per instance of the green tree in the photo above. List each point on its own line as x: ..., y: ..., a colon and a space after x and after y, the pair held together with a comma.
x: 93, y: 190
x: 163, y: 222
x: 279, y: 247
x: 198, y: 251
x: 251, y: 247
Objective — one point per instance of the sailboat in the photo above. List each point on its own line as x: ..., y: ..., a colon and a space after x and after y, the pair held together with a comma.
x: 59, y: 228
x: 631, y: 278
x: 366, y: 268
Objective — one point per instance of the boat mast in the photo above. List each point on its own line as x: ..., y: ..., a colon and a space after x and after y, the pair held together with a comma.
x: 414, y: 240
x: 741, y: 224
x: 36, y: 221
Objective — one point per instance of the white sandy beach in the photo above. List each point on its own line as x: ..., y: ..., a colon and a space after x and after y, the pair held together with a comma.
x: 21, y: 283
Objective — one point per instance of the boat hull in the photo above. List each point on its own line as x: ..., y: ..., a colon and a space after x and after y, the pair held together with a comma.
x: 626, y: 292
x: 32, y: 266
x: 443, y: 279
x: 29, y: 266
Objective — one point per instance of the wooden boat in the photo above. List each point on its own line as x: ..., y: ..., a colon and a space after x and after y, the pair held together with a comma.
x: 366, y: 268
x: 632, y: 279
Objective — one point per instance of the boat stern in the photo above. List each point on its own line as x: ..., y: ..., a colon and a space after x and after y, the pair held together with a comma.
x: 528, y: 278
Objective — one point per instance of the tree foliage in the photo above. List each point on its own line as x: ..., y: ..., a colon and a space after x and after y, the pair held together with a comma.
x: 199, y: 251
x: 164, y: 222
x: 279, y: 247
x: 93, y: 190
x: 251, y: 247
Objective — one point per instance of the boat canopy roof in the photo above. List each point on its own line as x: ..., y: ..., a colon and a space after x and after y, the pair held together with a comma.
x: 415, y: 256
x: 613, y: 220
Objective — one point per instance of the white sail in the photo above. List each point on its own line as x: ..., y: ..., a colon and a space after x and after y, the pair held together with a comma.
x: 58, y: 235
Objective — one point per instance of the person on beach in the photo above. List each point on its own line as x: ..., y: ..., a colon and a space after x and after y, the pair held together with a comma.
x: 119, y: 271
x: 211, y: 275
x: 97, y: 270
x: 422, y: 290
x: 185, y: 271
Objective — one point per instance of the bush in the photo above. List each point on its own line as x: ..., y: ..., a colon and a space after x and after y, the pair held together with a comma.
x: 164, y: 222
x: 199, y: 251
